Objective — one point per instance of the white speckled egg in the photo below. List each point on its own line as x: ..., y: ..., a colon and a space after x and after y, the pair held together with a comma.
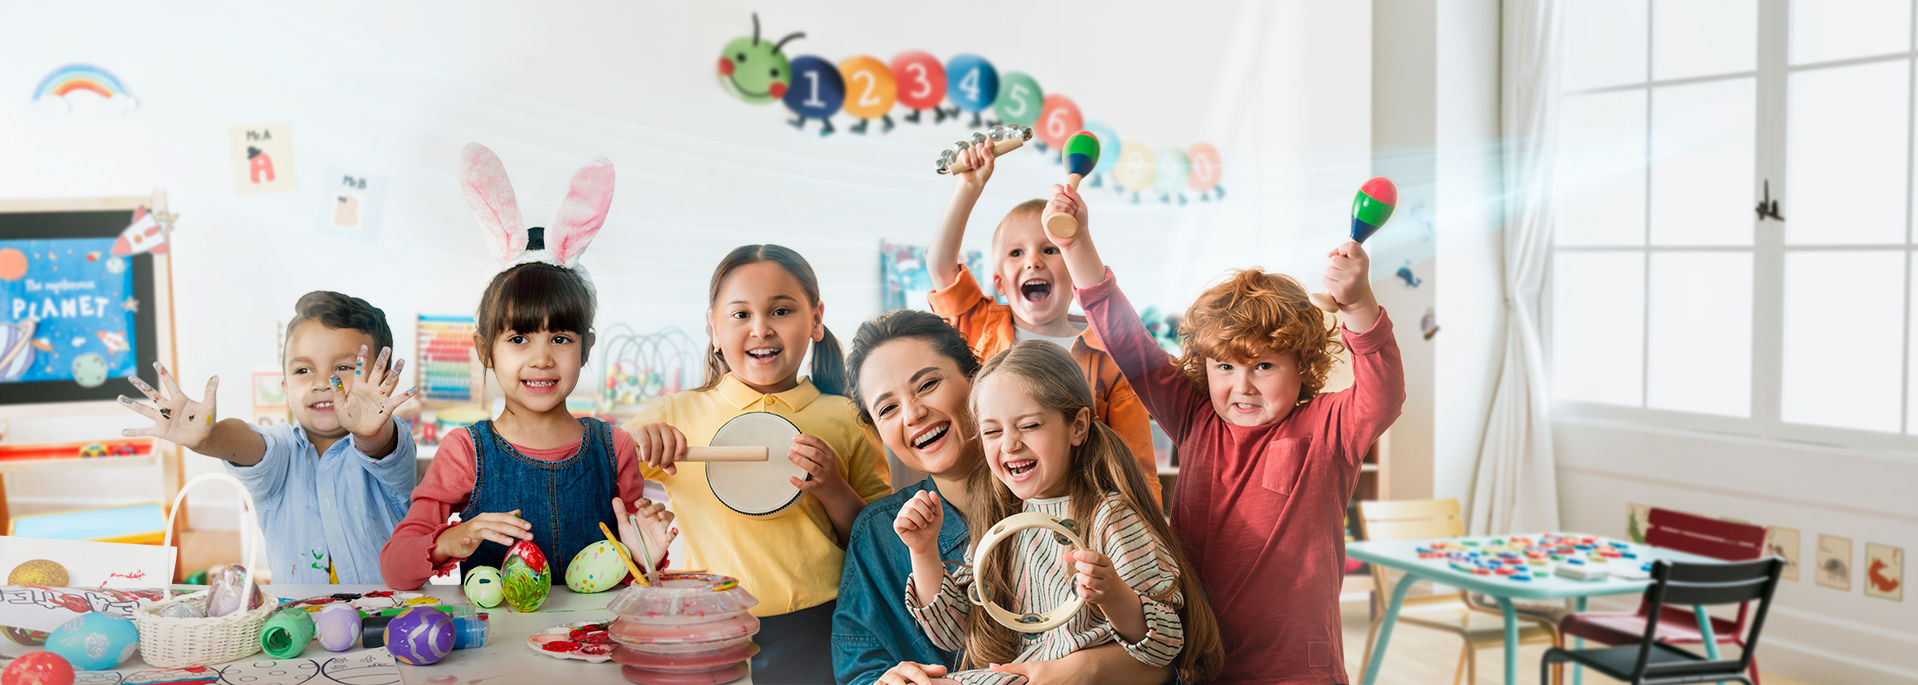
x: 597, y: 568
x: 483, y: 588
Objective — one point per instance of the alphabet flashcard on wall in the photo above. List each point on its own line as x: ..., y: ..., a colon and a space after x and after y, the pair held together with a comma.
x: 1884, y: 572
x: 262, y: 157
x: 1834, y: 562
x: 350, y: 204
x: 1783, y: 542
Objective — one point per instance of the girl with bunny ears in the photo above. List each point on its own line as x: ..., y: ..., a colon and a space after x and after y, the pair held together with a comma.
x: 536, y: 472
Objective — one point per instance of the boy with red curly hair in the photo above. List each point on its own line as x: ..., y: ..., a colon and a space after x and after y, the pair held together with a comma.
x: 1267, y: 462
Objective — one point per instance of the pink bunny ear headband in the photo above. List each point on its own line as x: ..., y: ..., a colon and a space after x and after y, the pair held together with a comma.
x: 490, y: 195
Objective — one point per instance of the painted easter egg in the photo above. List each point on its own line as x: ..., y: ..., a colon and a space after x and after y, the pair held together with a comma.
x: 287, y: 633
x: 95, y: 641
x: 597, y: 568
x: 482, y: 586
x: 338, y: 626
x: 23, y: 636
x: 420, y: 636
x: 526, y: 577
x: 39, y: 572
x: 38, y: 668
x: 223, y: 592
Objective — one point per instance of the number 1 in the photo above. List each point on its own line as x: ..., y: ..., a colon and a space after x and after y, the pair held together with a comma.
x: 813, y: 100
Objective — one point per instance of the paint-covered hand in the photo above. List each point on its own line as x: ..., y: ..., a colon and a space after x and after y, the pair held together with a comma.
x: 653, y: 533
x: 821, y: 464
x: 176, y: 419
x: 919, y: 521
x: 459, y: 542
x: 1098, y: 582
x: 367, y: 402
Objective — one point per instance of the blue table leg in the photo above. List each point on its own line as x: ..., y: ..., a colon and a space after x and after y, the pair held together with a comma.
x: 1705, y: 631
x: 1578, y: 670
x: 1511, y: 640
x: 1385, y: 628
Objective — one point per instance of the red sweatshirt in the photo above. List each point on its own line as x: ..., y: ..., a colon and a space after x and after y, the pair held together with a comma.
x: 1260, y: 510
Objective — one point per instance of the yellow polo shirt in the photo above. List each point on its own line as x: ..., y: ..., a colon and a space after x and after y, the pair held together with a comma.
x: 789, y: 562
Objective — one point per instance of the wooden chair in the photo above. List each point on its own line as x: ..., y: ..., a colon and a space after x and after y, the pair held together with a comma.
x: 1699, y: 535
x: 1652, y: 660
x: 1450, y: 612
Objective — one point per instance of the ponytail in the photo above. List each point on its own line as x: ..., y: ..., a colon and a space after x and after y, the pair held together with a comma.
x: 828, y: 365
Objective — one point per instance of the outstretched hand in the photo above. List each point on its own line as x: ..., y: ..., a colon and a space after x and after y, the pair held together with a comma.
x: 367, y: 403
x: 176, y: 419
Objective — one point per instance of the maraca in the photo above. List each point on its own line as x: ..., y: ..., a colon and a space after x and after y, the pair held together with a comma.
x: 1370, y: 209
x: 1080, y: 154
x: 1004, y: 137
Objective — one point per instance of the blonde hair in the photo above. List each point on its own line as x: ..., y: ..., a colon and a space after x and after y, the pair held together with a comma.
x: 1100, y: 465
x: 1255, y: 312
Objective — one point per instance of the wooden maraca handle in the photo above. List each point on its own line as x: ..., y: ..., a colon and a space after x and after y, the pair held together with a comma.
x: 1064, y: 225
x: 726, y: 454
x: 1009, y: 137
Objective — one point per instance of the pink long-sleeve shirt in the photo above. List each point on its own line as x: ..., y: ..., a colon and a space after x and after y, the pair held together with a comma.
x: 1260, y: 509
x: 406, y: 561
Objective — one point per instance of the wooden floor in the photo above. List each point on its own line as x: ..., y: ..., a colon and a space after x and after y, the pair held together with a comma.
x: 1418, y: 656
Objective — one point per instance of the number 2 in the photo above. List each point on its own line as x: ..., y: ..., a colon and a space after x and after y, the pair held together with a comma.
x: 866, y: 98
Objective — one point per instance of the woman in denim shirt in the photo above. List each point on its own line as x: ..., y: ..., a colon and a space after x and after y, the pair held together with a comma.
x: 910, y: 375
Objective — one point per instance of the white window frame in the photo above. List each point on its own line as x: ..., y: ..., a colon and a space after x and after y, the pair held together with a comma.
x: 1768, y: 250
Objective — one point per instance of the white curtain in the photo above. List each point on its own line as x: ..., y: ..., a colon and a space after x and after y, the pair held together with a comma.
x: 1517, y: 489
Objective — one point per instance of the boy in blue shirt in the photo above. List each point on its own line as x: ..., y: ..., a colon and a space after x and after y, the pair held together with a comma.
x: 331, y: 486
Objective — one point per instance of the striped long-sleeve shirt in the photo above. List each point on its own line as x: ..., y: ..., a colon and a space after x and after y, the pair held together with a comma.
x: 1044, y: 580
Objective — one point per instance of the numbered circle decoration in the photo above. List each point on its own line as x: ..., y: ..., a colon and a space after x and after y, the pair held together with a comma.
x: 817, y: 90
x: 1110, y: 143
x: 920, y: 79
x: 870, y: 92
x: 1057, y: 119
x: 1203, y: 160
x: 1019, y: 100
x: 1135, y: 170
x: 971, y: 82
x: 1172, y: 171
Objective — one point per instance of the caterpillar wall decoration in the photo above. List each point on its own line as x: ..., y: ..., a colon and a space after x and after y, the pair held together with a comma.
x: 757, y: 71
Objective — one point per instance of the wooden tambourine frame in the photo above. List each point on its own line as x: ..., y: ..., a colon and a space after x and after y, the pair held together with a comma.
x: 1064, y: 531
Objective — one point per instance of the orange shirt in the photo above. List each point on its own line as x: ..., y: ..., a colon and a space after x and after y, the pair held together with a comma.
x: 988, y: 326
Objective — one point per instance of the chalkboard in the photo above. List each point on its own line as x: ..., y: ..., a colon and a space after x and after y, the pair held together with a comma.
x: 80, y: 301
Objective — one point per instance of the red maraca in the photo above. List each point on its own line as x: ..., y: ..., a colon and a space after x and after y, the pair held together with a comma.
x: 1370, y: 209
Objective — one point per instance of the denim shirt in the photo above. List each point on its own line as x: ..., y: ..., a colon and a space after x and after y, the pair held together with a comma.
x: 334, y: 509
x: 871, y: 631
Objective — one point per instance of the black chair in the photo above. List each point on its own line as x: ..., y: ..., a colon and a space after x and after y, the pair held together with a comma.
x: 1655, y: 663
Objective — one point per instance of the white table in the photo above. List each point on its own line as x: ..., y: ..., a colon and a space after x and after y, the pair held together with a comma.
x: 504, y: 660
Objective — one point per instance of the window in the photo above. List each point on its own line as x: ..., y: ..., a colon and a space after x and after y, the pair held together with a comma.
x: 1673, y: 300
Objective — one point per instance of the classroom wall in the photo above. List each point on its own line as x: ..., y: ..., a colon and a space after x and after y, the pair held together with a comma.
x: 395, y: 89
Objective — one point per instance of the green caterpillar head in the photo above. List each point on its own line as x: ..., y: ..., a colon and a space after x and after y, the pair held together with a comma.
x: 755, y: 70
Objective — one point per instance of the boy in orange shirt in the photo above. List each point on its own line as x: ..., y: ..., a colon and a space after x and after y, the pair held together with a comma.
x: 1029, y: 270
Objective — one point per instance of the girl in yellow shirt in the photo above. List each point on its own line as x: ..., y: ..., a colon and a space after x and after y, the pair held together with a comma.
x: 764, y: 313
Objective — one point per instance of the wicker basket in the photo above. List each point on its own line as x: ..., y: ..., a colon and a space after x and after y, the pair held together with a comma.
x: 168, y: 642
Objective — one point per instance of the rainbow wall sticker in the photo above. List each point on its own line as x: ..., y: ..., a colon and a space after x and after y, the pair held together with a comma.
x: 757, y: 70
x: 83, y: 85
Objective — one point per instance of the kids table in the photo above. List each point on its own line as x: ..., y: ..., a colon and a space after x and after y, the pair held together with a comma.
x: 504, y: 659
x: 1516, y: 567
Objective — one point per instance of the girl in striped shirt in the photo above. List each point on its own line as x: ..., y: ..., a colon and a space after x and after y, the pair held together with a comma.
x: 1045, y: 453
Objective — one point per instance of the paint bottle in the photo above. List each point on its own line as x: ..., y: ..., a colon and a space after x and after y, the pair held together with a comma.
x: 469, y: 631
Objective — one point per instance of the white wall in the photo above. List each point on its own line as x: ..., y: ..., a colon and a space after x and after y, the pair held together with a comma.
x: 395, y: 89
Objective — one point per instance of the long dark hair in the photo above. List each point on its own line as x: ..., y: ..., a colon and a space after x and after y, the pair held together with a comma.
x: 903, y: 324
x: 1102, y: 464
x: 828, y: 364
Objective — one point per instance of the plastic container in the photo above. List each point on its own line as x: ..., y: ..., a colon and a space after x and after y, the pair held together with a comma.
x: 739, y: 625
x: 719, y: 676
x: 682, y: 598
x: 693, y: 662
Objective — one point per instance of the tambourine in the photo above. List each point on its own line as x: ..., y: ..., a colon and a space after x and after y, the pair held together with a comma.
x: 759, y: 489
x: 1064, y: 531
x: 1005, y: 138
